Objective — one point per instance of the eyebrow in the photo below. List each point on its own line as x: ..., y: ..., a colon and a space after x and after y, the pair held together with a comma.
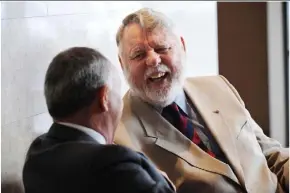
x: 160, y: 44
x: 153, y: 44
x: 136, y: 49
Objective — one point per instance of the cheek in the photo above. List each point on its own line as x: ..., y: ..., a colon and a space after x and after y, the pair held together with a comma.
x: 136, y: 71
x: 172, y: 62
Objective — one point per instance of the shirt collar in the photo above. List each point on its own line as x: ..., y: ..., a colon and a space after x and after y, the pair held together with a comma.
x: 92, y: 133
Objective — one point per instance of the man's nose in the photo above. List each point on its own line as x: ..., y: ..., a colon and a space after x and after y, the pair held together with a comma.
x: 153, y: 59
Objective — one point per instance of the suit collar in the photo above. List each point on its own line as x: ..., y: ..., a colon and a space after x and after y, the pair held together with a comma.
x: 175, y: 142
x: 92, y: 133
x: 66, y: 133
x: 217, y: 124
x: 170, y: 138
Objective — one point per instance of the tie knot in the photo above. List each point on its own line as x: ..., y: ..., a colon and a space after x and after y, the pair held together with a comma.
x: 172, y: 106
x: 174, y: 109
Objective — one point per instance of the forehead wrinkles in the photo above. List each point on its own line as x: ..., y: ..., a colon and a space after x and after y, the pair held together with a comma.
x: 159, y: 36
x: 133, y: 37
x: 137, y: 38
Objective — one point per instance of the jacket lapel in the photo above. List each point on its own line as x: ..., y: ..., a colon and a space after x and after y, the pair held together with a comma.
x: 213, y: 117
x: 175, y: 142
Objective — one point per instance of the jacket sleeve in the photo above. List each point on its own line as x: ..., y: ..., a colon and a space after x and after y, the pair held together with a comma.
x: 136, y: 176
x: 277, y: 157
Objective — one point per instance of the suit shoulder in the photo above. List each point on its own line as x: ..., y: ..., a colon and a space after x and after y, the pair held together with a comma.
x: 90, y: 153
x: 118, y: 150
x: 118, y: 154
x: 206, y: 79
x: 36, y: 143
x: 217, y: 83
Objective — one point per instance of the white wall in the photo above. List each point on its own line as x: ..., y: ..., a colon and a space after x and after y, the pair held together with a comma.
x: 288, y: 18
x: 276, y: 69
x: 34, y: 32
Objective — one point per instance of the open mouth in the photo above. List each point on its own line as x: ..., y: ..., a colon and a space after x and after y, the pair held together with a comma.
x: 158, y: 76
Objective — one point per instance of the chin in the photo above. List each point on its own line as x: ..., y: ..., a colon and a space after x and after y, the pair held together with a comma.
x: 161, y: 98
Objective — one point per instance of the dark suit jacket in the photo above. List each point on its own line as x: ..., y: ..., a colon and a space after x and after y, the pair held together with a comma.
x: 68, y: 160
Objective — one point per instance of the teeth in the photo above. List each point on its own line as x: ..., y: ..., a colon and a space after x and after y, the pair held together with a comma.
x: 157, y: 75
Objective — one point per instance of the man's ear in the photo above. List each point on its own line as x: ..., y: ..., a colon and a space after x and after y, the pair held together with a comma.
x: 120, y: 60
x: 183, y: 43
x: 103, y: 95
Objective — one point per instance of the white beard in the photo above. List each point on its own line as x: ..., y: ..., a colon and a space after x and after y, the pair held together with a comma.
x: 160, y: 98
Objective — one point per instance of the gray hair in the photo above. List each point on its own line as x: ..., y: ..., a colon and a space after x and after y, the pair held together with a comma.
x: 147, y: 18
x: 73, y: 78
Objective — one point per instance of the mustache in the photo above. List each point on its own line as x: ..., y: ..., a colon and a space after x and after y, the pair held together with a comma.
x: 162, y: 68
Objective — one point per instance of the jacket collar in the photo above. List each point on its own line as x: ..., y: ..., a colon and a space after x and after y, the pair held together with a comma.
x: 170, y: 139
x: 66, y: 133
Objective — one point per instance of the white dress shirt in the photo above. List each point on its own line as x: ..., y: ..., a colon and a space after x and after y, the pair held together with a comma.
x: 92, y: 133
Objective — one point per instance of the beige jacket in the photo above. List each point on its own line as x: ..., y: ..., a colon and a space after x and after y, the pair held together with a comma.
x: 258, y: 164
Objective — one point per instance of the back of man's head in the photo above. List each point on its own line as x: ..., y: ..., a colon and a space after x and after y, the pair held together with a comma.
x: 73, y: 78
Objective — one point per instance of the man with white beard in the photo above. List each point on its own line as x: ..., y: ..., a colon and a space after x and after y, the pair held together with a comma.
x: 197, y: 130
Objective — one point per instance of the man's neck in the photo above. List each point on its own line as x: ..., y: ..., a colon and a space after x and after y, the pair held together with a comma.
x: 77, y: 121
x: 97, y: 136
x: 88, y: 122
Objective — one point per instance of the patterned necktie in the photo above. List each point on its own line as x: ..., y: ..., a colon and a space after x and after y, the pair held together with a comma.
x: 174, y: 114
